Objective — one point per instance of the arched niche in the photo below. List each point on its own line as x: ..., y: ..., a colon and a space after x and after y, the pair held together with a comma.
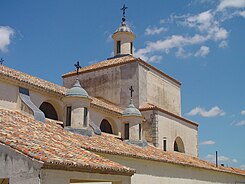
x: 106, y: 127
x: 179, y: 145
x: 49, y: 110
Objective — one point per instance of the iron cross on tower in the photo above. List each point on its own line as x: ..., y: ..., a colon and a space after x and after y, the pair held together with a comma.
x: 131, y: 91
x: 124, y: 9
x: 77, y: 65
x: 1, y: 61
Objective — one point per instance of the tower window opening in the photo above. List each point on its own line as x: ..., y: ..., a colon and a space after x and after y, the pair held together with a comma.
x: 68, y: 116
x: 131, y: 47
x: 85, y: 119
x: 118, y: 47
x: 140, y: 129
x: 126, y: 131
x: 164, y: 145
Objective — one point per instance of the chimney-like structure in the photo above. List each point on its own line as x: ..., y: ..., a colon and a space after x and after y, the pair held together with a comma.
x: 77, y: 104
x: 132, y: 120
x: 123, y: 38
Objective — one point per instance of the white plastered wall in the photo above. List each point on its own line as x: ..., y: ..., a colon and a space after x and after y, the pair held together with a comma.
x: 156, y: 172
x: 65, y: 177
x: 171, y: 128
x: 159, y: 90
x: 8, y: 95
x: 97, y: 117
x: 9, y: 98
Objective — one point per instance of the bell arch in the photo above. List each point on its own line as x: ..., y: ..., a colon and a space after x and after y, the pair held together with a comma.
x: 49, y: 110
x: 105, y: 126
x: 179, y: 145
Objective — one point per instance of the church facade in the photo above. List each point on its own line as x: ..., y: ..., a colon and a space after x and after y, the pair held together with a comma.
x: 116, y: 121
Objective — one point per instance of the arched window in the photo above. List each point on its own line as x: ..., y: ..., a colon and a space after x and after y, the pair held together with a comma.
x: 105, y: 126
x: 179, y: 145
x: 49, y: 110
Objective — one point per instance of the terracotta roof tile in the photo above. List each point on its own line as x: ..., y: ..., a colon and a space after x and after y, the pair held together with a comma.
x: 29, y: 79
x: 104, y: 64
x: 110, y: 145
x: 117, y: 61
x: 36, y: 82
x: 148, y: 106
x: 51, y: 144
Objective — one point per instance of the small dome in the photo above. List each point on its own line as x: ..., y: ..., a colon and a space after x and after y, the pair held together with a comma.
x: 124, y: 28
x: 77, y: 90
x: 131, y: 110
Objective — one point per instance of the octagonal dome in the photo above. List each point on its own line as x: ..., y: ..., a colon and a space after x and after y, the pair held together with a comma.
x: 130, y: 111
x: 77, y: 90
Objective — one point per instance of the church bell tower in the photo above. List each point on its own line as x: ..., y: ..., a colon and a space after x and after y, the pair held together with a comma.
x: 123, y: 38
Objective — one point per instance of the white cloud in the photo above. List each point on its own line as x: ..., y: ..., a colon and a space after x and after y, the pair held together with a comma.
x: 243, y: 112
x: 206, y: 23
x: 202, y: 52
x: 221, y: 159
x: 214, y: 111
x: 240, y: 123
x: 155, y: 59
x: 154, y: 30
x: 242, y: 13
x: 181, y: 53
x: 231, y: 4
x: 174, y: 41
x: 223, y: 44
x: 6, y: 33
x: 209, y: 142
x: 242, y: 167
x: 202, y: 21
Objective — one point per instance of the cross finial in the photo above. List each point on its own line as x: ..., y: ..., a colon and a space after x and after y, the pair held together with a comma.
x: 1, y: 61
x: 77, y: 65
x: 124, y: 9
x: 131, y: 91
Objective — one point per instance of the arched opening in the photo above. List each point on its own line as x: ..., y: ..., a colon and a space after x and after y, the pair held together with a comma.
x: 105, y: 126
x: 179, y: 145
x: 49, y: 110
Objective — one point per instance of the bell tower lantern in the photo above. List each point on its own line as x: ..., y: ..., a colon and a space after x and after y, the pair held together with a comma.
x: 123, y: 38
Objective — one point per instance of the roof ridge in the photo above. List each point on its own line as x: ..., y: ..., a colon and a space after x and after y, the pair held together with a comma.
x: 30, y: 79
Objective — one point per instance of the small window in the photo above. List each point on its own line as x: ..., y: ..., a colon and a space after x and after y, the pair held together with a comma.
x: 85, y: 119
x: 106, y: 127
x: 24, y: 91
x: 131, y: 47
x: 118, y: 47
x: 179, y: 145
x: 140, y: 131
x: 68, y: 116
x: 164, y: 145
x: 48, y: 110
x: 126, y: 131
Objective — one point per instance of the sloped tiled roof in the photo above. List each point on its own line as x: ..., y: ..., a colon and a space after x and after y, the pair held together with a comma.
x: 36, y: 82
x: 52, y: 145
x: 110, y: 145
x: 148, y: 106
x: 104, y: 64
x: 117, y: 61
x: 29, y: 79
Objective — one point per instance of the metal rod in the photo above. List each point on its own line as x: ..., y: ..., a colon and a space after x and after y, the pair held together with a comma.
x: 216, y: 158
